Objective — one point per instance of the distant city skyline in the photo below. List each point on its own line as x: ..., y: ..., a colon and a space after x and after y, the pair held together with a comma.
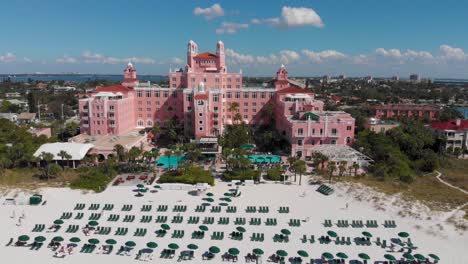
x: 311, y: 38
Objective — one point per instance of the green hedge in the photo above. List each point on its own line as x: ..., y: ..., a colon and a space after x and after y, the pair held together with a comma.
x: 93, y: 178
x: 241, y: 175
x: 274, y: 174
x: 190, y: 175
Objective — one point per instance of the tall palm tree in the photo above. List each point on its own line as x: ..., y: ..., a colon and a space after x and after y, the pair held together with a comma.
x: 331, y: 169
x: 291, y: 161
x: 120, y: 150
x: 64, y: 155
x: 355, y: 167
x: 300, y: 168
x: 168, y: 153
x: 342, y: 168
x: 47, y: 157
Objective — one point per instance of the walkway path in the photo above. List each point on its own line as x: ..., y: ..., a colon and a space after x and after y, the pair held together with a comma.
x: 448, y: 184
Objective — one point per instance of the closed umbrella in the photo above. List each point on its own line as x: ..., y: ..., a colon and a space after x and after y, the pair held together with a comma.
x: 152, y: 245
x: 389, y: 257
x: 258, y: 251
x: 57, y: 239
x: 233, y: 251
x: 203, y: 228
x: 327, y: 255
x: 111, y: 241
x: 93, y: 241
x: 130, y: 244
x: 173, y: 246
x: 23, y: 238
x: 364, y: 256
x: 434, y: 256
x: 58, y: 222
x: 303, y: 254
x: 285, y: 232
x: 214, y: 250
x: 40, y: 239
x: 281, y: 253
x: 192, y: 246
x: 342, y: 255
x: 332, y: 233
x: 75, y: 239
x: 403, y: 234
x: 366, y: 234
x: 240, y: 229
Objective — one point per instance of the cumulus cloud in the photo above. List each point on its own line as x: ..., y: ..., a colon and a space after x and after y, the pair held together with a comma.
x: 7, y: 57
x: 293, y: 17
x: 210, y: 12
x: 230, y: 28
x: 237, y: 58
x: 449, y: 52
x: 97, y: 58
x: 140, y: 60
x: 323, y: 55
x: 26, y: 59
x: 283, y: 57
x: 66, y: 60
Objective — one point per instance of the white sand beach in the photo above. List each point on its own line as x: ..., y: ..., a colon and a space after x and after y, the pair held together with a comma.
x: 429, y: 235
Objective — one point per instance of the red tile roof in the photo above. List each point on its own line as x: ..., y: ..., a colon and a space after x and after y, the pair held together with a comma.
x: 201, y: 96
x: 206, y: 55
x: 403, y: 107
x: 450, y: 125
x: 113, y: 88
x: 294, y: 89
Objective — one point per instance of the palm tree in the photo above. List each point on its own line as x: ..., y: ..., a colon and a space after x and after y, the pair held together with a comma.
x: 168, y: 153
x: 120, y: 150
x: 291, y: 161
x: 342, y: 168
x: 237, y: 118
x: 355, y: 167
x: 64, y: 155
x: 300, y: 167
x: 320, y: 159
x: 233, y: 107
x: 331, y: 169
x: 47, y: 157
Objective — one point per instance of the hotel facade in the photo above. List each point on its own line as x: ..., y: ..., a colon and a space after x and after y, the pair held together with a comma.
x: 204, y: 98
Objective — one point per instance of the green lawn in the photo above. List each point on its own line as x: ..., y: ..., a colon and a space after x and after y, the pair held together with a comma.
x: 28, y: 178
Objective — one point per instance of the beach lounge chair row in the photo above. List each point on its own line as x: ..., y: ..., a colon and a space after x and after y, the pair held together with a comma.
x: 263, y: 209
x: 178, y: 234
x: 255, y: 221
x: 251, y: 209
x: 372, y: 224
x: 167, y: 254
x: 216, y: 209
x: 88, y: 248
x: 94, y: 207
x: 146, y: 219
x: 127, y: 207
x: 160, y: 233
x: 271, y: 222
x: 342, y: 223
x: 177, y: 219
x: 327, y: 223
x: 283, y: 209
x: 140, y: 232
x: 79, y: 216
x: 161, y: 219
x: 237, y: 236
x: 79, y: 206
x: 223, y: 221
x: 257, y: 237
x: 280, y: 238
x: 38, y: 228
x: 231, y: 209
x: 162, y: 208
x: 66, y: 216
x: 240, y: 221
x: 294, y: 222
x: 108, y: 207
x: 179, y: 208
x: 208, y: 220
x: 146, y: 208
x: 390, y: 224
x: 324, y: 240
x: 193, y: 220
x: 129, y: 218
x: 324, y: 189
x: 357, y: 224
x: 103, y: 230
x: 217, y: 235
x: 72, y: 229
x: 94, y: 217
x: 362, y: 241
x: 121, y: 231
x: 113, y: 218
x: 380, y: 243
x: 200, y: 208
x: 198, y: 234
x: 304, y: 239
x: 36, y: 245
x: 343, y: 241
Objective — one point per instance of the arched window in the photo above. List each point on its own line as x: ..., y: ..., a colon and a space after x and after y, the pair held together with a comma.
x: 348, y: 140
x: 140, y: 123
x: 149, y: 123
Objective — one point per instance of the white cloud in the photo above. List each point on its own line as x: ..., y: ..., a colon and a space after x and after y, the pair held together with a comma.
x: 66, y: 59
x: 90, y: 57
x: 452, y: 53
x: 323, y: 55
x: 293, y: 17
x: 230, y: 28
x: 401, y: 57
x: 140, y: 60
x: 210, y: 12
x: 26, y: 59
x: 7, y: 57
x: 176, y: 61
x: 238, y: 58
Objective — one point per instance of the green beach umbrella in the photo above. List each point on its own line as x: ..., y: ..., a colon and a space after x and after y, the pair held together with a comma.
x: 327, y: 255
x: 408, y: 256
x: 228, y: 194
x: 173, y: 246
x: 238, y: 183
x: 342, y: 255
x: 130, y: 244
x: 40, y: 239
x: 332, y: 233
x: 23, y: 238
x: 209, y: 200
x: 75, y: 239
x: 93, y: 223
x: 93, y: 241
x: 419, y: 257
x: 366, y: 234
x: 258, y: 251
x: 57, y: 239
x: 226, y: 199
x: 210, y: 194
x: 285, y: 232
x: 165, y: 227
x: 434, y: 256
x: 214, y: 250
x: 303, y: 254
x: 281, y: 253
x: 403, y: 234
x: 152, y: 245
x: 389, y: 257
x: 234, y: 251
x: 111, y: 242
x: 240, y: 229
x: 140, y: 186
x: 58, y: 222
x: 192, y: 246
x: 157, y: 187
x: 364, y: 256
x: 203, y: 228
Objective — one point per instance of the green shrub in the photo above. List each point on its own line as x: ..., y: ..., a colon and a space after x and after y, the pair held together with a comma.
x: 93, y: 178
x: 190, y: 174
x: 241, y: 175
x: 275, y: 173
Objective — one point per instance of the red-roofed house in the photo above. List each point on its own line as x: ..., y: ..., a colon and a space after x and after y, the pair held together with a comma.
x: 456, y: 132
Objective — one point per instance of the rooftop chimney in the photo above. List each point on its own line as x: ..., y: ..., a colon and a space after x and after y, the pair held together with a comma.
x: 458, y: 121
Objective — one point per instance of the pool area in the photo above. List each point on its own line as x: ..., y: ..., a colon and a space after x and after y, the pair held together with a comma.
x: 166, y: 162
x: 264, y: 158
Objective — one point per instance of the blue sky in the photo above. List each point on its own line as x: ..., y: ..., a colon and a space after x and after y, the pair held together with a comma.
x: 315, y: 37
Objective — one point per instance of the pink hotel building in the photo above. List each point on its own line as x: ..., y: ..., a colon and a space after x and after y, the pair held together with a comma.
x: 199, y: 97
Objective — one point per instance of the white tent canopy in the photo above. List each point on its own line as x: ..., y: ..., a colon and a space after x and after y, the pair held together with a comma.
x: 342, y: 153
x: 77, y: 151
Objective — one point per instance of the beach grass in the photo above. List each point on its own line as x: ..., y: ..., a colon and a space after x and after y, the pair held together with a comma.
x: 28, y: 178
x: 455, y: 171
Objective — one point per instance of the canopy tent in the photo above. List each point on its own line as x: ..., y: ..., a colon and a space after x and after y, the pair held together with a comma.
x: 77, y: 151
x: 339, y: 153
